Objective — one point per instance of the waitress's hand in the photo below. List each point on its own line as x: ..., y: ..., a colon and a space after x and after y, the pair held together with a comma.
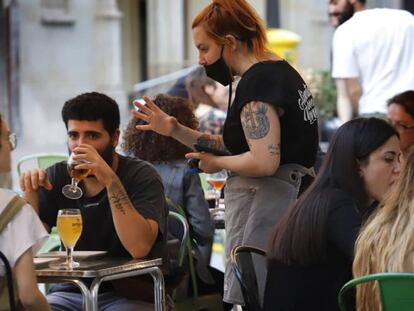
x: 157, y: 120
x: 208, y: 161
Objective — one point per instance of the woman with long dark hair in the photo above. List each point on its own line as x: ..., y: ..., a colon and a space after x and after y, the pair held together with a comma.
x: 312, y: 248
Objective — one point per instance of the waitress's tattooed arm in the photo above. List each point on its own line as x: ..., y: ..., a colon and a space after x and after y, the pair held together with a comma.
x: 256, y: 125
x: 254, y: 120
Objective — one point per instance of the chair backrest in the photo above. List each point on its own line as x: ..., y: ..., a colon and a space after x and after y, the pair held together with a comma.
x: 7, y: 294
x: 178, y: 209
x: 396, y: 290
x: 243, y: 267
x: 41, y: 160
x: 175, y: 218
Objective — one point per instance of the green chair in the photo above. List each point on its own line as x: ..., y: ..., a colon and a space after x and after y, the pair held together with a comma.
x: 211, y: 302
x: 41, y: 160
x: 176, y: 217
x: 396, y: 290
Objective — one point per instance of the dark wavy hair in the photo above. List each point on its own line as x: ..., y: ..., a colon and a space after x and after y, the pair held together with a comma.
x: 300, y: 235
x: 404, y: 99
x: 153, y: 147
x: 93, y: 106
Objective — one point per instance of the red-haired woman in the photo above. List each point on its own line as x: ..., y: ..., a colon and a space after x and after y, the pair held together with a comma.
x: 270, y: 133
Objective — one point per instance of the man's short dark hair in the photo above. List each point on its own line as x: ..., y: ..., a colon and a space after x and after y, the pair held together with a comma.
x: 405, y: 99
x: 93, y: 106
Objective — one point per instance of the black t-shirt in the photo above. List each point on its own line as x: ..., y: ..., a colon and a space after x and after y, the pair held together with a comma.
x: 278, y: 84
x: 144, y: 188
x: 315, y: 287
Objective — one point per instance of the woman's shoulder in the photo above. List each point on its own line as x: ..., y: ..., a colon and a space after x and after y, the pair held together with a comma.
x: 269, y: 79
x: 6, y: 196
x: 339, y: 194
x: 342, y: 202
x: 263, y: 68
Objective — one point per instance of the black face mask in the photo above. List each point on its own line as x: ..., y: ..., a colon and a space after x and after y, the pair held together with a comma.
x: 219, y: 71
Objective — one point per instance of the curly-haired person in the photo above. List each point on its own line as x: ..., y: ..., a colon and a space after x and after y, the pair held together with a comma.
x: 168, y: 157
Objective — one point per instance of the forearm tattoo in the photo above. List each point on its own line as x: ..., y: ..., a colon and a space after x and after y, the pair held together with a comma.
x: 118, y: 197
x: 274, y: 150
x: 212, y: 141
x: 254, y: 120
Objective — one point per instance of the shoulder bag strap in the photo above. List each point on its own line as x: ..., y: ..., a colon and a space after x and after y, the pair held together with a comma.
x: 12, y: 208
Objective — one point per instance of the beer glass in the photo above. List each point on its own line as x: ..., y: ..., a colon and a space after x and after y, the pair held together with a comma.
x: 72, y: 191
x: 217, y: 181
x: 69, y: 227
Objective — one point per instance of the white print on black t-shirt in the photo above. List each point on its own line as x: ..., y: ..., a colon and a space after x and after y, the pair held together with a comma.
x: 305, y: 102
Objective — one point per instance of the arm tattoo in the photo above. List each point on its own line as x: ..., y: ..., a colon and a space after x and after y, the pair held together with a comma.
x: 212, y: 141
x: 118, y: 197
x: 254, y: 120
x: 274, y: 150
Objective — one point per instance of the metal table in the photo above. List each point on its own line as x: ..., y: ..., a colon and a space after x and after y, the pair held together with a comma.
x: 106, y: 269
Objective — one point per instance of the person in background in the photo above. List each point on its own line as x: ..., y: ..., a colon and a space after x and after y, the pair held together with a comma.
x: 209, y: 99
x: 22, y: 237
x: 372, y: 57
x: 401, y: 117
x: 339, y: 11
x: 123, y: 204
x: 7, y: 139
x: 312, y: 247
x: 270, y: 135
x: 178, y: 88
x: 386, y: 243
x: 181, y: 185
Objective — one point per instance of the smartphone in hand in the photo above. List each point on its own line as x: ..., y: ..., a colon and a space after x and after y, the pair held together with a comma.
x: 214, y: 151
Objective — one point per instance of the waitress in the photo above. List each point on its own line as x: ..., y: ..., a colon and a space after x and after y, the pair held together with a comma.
x: 270, y: 133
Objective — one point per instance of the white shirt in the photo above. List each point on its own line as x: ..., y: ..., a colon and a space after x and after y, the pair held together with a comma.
x: 25, y: 230
x: 378, y: 47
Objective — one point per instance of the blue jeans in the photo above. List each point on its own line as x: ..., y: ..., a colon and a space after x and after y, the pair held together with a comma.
x: 109, y: 301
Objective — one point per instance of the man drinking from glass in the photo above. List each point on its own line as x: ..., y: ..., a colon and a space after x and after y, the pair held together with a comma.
x: 123, y: 205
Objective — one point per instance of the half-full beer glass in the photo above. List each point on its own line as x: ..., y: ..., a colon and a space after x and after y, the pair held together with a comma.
x: 69, y: 227
x: 72, y: 191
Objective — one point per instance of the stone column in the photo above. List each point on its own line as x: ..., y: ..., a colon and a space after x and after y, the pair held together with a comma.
x: 108, y: 52
x: 166, y: 36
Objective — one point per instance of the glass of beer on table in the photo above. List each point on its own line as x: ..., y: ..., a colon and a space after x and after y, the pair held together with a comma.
x: 72, y: 191
x: 217, y: 181
x: 69, y: 227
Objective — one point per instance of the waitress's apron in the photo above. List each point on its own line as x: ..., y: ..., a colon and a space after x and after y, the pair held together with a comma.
x: 253, y: 207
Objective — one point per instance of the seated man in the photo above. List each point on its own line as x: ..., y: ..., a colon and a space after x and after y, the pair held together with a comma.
x: 123, y: 205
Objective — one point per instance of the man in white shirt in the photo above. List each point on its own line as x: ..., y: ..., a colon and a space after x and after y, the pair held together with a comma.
x: 372, y: 58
